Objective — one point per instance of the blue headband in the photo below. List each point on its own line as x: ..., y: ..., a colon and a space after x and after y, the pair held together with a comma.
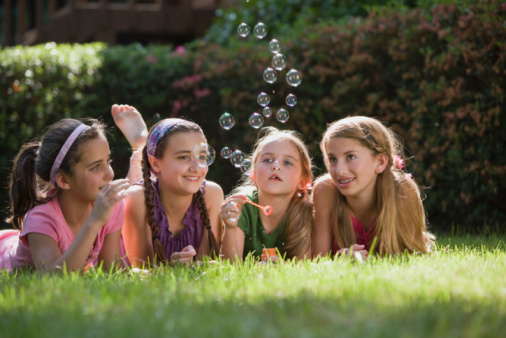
x: 157, y: 134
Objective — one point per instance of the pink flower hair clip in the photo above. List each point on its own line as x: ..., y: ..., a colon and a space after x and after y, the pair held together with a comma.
x: 307, y: 187
x: 399, y: 162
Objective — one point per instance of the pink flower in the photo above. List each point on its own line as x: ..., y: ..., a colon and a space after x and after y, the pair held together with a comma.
x: 398, y: 161
x: 180, y: 50
x: 307, y: 188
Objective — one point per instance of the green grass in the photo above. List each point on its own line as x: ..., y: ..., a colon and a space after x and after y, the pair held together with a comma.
x: 459, y: 291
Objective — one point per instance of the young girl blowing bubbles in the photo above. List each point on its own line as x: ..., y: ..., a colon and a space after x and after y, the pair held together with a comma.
x: 173, y: 210
x: 279, y: 176
x: 365, y: 194
x: 75, y: 218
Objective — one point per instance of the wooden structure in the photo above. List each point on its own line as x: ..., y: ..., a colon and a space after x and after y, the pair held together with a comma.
x: 110, y: 21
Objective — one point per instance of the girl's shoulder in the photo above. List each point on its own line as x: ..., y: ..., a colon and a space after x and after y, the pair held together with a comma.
x: 324, y: 183
x: 213, y: 190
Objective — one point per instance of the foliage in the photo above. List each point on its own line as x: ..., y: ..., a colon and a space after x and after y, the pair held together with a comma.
x: 457, y: 291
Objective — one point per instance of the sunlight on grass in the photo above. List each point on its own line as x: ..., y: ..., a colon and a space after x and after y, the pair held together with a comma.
x: 458, y: 290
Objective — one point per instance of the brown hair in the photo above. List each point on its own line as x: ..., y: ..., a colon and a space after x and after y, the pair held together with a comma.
x: 299, y: 214
x: 401, y: 224
x: 198, y: 197
x: 30, y: 176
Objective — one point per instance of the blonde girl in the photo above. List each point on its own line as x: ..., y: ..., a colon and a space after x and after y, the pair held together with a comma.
x: 366, y: 194
x: 279, y: 176
x: 173, y: 214
x: 65, y: 208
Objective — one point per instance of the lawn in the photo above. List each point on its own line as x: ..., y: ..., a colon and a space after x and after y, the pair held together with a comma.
x: 459, y: 291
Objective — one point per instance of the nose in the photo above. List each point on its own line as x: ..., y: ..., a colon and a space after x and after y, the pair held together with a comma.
x: 275, y: 165
x: 340, y: 168
x: 109, y: 174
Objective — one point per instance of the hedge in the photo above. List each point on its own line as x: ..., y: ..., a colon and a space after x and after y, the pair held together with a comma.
x: 435, y: 76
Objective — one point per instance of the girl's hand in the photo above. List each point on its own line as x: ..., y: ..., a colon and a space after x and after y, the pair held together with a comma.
x: 107, y: 198
x: 231, y: 210
x: 353, y: 251
x: 183, y: 257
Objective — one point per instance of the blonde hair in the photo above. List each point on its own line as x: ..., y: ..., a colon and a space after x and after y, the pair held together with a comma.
x: 299, y: 214
x: 401, y: 223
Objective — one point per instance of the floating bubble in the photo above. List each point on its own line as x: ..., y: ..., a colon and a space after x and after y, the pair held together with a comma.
x: 256, y: 120
x: 279, y: 61
x: 227, y: 121
x: 236, y: 158
x: 291, y: 100
x: 270, y: 75
x: 204, y: 154
x: 293, y: 78
x: 263, y: 99
x: 226, y: 152
x: 260, y: 30
x: 282, y: 115
x: 243, y: 30
x: 274, y: 46
x: 267, y: 112
x: 245, y: 165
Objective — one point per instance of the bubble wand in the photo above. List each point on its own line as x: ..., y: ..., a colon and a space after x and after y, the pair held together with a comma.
x: 267, y: 209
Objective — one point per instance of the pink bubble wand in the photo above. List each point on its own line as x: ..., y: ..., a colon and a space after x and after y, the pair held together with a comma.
x: 267, y: 209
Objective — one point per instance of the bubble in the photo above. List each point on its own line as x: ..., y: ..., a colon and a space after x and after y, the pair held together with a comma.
x: 263, y: 99
x: 256, y: 120
x: 204, y: 154
x: 227, y: 121
x: 245, y: 165
x: 293, y: 78
x: 270, y: 75
x: 282, y: 115
x: 291, y: 100
x: 267, y: 112
x: 274, y: 46
x: 236, y: 158
x: 226, y: 152
x: 279, y: 61
x: 243, y: 30
x: 260, y: 30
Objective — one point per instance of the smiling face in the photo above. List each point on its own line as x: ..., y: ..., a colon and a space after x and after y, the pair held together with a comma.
x: 353, y: 167
x: 93, y: 170
x: 178, y: 170
x: 277, y: 169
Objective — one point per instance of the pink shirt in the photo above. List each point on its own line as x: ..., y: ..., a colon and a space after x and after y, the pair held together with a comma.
x: 48, y: 219
x: 362, y: 236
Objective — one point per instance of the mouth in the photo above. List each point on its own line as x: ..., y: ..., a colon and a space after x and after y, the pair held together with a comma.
x: 345, y: 181
x: 275, y: 177
x: 192, y: 178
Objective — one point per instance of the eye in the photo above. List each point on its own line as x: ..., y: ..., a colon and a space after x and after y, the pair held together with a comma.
x: 267, y: 160
x: 332, y: 159
x: 183, y: 157
x: 95, y: 167
x: 350, y: 157
x: 286, y: 162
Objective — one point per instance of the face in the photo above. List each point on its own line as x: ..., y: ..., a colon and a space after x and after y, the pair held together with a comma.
x: 353, y: 167
x: 278, y: 168
x: 179, y: 170
x: 93, y: 171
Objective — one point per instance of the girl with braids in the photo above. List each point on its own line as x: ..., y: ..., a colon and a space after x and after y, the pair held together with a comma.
x: 173, y: 210
x: 65, y: 208
x: 366, y: 194
x: 279, y: 177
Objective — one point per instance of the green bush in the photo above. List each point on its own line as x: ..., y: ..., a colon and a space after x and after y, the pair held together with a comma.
x: 435, y: 76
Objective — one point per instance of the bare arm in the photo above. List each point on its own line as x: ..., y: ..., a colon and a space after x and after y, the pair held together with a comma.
x: 214, y: 199
x: 324, y: 194
x: 136, y: 232
x: 111, y: 251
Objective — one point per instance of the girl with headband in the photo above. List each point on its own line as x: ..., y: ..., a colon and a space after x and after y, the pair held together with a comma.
x: 66, y: 208
x: 366, y: 195
x: 172, y: 215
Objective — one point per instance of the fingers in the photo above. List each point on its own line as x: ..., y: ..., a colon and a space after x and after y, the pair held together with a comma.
x: 183, y: 257
x: 115, y: 190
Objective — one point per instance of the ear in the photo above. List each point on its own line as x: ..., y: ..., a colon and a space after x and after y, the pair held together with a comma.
x: 302, y: 184
x: 154, y: 163
x: 381, y: 163
x: 61, y: 180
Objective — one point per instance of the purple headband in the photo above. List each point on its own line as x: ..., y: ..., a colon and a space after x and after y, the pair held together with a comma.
x: 65, y: 149
x: 159, y: 132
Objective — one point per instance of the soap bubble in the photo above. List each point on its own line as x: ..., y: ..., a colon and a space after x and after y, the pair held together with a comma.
x: 279, y: 61
x: 226, y: 152
x: 270, y: 75
x: 236, y: 158
x: 227, y: 121
x: 256, y: 120
x: 245, y: 165
x: 291, y: 100
x: 260, y: 30
x: 293, y: 78
x: 274, y: 46
x: 204, y: 154
x: 282, y: 115
x: 263, y: 99
x: 243, y: 30
x: 267, y: 112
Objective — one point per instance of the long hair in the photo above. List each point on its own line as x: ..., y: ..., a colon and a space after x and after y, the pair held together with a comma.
x: 299, y: 214
x: 159, y: 251
x: 401, y: 224
x: 31, y: 170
